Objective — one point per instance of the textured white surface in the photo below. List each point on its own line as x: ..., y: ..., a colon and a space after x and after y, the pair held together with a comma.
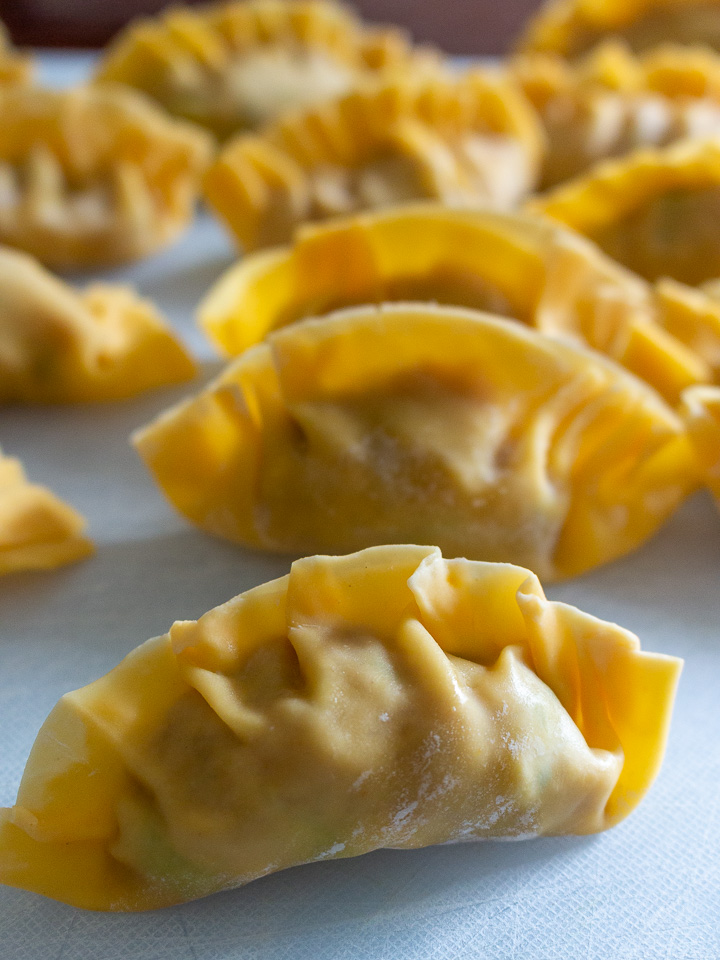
x: 648, y: 889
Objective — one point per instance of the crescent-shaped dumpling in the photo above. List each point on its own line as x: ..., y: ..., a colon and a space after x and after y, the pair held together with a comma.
x: 94, y: 175
x: 37, y: 530
x: 386, y: 699
x: 413, y: 423
x: 15, y: 68
x: 570, y: 27
x: 61, y: 346
x: 236, y: 66
x: 472, y: 259
x: 461, y: 140
x: 613, y: 102
x: 657, y: 211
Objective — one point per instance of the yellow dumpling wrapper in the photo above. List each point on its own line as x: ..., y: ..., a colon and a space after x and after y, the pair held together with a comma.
x: 61, y: 346
x: 390, y: 698
x: 415, y: 423
x: 471, y: 259
x: 656, y: 211
x: 613, y: 102
x: 570, y: 27
x: 37, y: 530
x: 460, y: 140
x: 236, y: 66
x: 93, y: 176
x: 15, y: 67
x: 701, y: 410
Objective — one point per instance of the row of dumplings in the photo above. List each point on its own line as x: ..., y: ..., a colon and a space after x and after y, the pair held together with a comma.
x: 531, y: 389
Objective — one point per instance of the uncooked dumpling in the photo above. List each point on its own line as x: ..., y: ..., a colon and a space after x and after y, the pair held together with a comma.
x: 236, y: 66
x: 386, y: 699
x: 37, y: 530
x: 464, y: 141
x: 415, y: 423
x: 94, y: 175
x: 60, y: 346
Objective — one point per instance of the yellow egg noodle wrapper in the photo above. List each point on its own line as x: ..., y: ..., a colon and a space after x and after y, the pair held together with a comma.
x: 94, y: 176
x: 701, y: 410
x: 37, y: 530
x: 228, y: 749
x: 571, y: 27
x: 613, y: 102
x: 460, y: 140
x: 410, y: 423
x: 15, y: 67
x: 669, y: 335
x: 236, y: 66
x: 656, y: 211
x: 61, y: 346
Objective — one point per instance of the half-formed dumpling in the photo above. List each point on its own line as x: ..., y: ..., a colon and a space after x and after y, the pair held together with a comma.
x: 463, y: 141
x: 235, y: 66
x: 94, y: 175
x: 412, y: 423
x: 613, y: 102
x: 701, y: 410
x: 15, y: 68
x: 60, y: 346
x: 229, y: 748
x: 570, y: 27
x: 37, y: 530
x: 657, y: 211
x: 517, y: 265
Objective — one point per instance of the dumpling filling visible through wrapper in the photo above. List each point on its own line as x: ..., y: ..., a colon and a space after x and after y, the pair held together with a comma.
x: 389, y: 698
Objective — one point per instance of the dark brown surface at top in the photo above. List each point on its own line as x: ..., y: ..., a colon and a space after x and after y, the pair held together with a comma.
x: 459, y: 26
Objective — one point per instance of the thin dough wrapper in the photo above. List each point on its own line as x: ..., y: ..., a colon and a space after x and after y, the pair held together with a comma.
x: 612, y: 102
x: 655, y: 211
x: 94, y: 175
x: 463, y: 141
x: 571, y: 27
x: 37, y: 530
x: 59, y: 346
x: 701, y: 410
x: 471, y: 259
x: 229, y: 749
x: 15, y: 68
x: 236, y: 66
x: 411, y: 423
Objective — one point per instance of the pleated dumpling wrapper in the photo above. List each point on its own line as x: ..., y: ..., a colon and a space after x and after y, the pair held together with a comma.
x: 15, y: 67
x: 390, y: 698
x: 701, y: 410
x: 93, y: 176
x: 657, y: 211
x: 571, y: 27
x: 61, y: 346
x: 414, y: 423
x: 37, y: 530
x: 461, y: 140
x: 473, y: 259
x: 236, y: 66
x: 613, y: 102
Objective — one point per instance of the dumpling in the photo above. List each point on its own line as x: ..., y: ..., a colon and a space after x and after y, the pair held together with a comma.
x: 236, y: 66
x: 15, y: 68
x: 59, y: 346
x: 229, y: 748
x: 37, y: 530
x: 701, y: 410
x: 94, y: 175
x: 411, y: 423
x: 656, y: 211
x: 570, y: 27
x: 613, y: 102
x: 463, y: 141
x: 516, y: 265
